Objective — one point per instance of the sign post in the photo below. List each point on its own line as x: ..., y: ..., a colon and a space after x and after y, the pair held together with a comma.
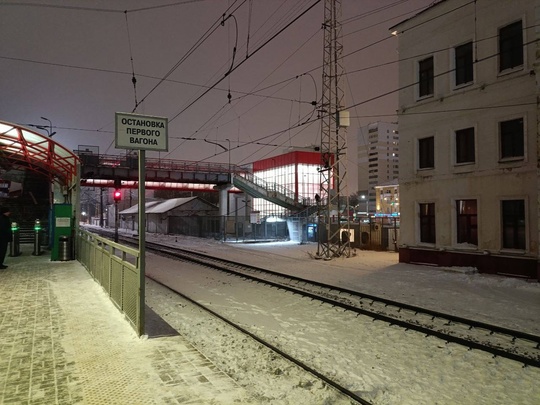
x: 141, y: 132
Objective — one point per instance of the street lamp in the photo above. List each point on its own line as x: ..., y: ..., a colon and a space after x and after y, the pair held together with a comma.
x: 49, y: 131
x: 366, y: 199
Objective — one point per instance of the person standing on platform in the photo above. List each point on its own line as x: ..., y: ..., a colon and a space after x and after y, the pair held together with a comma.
x: 5, y: 234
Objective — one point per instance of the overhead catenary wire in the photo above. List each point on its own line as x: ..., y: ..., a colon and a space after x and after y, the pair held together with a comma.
x: 242, y: 62
x: 354, y: 103
x: 274, y: 134
x: 133, y: 79
x: 197, y: 44
x: 97, y: 9
x: 415, y: 83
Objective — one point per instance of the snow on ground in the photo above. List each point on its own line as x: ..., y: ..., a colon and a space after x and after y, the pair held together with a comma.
x: 386, y: 364
x: 504, y: 301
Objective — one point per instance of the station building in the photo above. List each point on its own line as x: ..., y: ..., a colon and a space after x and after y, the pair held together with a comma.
x: 468, y: 123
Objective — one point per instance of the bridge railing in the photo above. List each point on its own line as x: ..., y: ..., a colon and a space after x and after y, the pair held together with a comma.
x: 131, y: 162
x: 269, y: 186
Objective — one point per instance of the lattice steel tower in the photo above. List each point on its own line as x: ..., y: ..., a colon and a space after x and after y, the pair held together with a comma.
x: 334, y: 227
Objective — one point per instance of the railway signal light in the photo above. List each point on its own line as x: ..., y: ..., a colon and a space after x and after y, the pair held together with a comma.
x: 117, y: 195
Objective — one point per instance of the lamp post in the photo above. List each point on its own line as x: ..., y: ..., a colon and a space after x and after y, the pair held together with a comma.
x: 366, y: 200
x: 49, y: 131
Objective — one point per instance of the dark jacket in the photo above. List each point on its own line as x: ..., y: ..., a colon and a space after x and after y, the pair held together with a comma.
x: 5, y: 228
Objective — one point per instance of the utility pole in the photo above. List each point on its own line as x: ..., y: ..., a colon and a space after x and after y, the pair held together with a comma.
x: 333, y: 228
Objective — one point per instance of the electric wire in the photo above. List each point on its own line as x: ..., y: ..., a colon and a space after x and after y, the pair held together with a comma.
x: 97, y: 9
x: 354, y: 103
x: 194, y: 47
x: 415, y: 83
x: 255, y: 51
x: 133, y: 79
x: 242, y: 62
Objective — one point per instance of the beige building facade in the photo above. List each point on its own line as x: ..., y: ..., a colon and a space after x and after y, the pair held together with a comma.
x: 469, y: 136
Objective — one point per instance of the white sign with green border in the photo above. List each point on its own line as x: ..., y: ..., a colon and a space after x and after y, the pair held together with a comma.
x: 143, y: 132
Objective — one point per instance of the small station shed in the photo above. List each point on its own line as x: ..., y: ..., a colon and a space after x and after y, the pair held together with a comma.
x: 187, y: 216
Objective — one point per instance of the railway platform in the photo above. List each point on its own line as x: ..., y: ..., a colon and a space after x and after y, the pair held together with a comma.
x: 62, y: 341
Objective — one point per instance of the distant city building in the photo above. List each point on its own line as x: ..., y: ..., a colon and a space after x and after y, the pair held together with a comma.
x: 378, y: 158
x: 468, y: 120
x: 387, y: 198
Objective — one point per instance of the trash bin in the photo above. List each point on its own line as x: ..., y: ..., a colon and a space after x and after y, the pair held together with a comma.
x: 15, y: 244
x: 64, y: 248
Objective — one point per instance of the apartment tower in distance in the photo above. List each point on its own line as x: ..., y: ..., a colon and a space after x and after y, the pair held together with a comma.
x: 378, y: 159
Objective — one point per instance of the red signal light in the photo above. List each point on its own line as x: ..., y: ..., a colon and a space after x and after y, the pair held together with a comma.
x: 117, y: 195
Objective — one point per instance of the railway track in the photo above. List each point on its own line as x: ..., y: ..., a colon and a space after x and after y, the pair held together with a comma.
x: 503, y: 342
x: 346, y: 393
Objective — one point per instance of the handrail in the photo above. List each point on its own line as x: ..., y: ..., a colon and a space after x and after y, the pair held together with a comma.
x: 117, y: 269
x: 118, y: 161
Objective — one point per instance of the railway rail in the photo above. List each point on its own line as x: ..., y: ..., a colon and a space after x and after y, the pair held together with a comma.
x: 503, y: 342
x: 336, y: 385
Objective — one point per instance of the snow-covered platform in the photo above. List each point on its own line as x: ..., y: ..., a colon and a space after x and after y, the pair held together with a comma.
x: 64, y: 342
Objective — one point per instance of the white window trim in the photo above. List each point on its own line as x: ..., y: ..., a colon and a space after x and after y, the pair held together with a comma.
x: 417, y: 223
x: 518, y: 159
x: 527, y: 227
x: 417, y: 95
x: 464, y: 165
x: 454, y: 216
x: 452, y: 58
x: 525, y: 58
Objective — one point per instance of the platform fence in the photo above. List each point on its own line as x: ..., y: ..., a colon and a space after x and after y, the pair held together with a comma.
x: 116, y: 268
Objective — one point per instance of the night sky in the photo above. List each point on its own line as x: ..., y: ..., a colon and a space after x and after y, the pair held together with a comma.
x: 74, y: 63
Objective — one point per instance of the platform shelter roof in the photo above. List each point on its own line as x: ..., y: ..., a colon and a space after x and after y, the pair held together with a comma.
x: 22, y: 148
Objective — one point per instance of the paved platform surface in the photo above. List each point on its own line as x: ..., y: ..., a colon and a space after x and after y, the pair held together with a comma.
x: 62, y: 341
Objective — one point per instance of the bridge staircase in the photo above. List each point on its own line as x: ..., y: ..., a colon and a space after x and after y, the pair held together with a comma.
x: 259, y: 188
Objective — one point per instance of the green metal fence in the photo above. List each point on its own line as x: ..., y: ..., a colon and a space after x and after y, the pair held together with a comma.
x: 116, y: 268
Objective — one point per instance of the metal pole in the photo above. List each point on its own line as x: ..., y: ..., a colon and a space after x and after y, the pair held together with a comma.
x: 142, y: 240
x: 116, y: 221
x: 101, y: 207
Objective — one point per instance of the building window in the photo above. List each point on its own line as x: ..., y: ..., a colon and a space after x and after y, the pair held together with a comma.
x: 513, y: 224
x: 425, y: 77
x: 464, y: 63
x: 426, y: 153
x: 465, y: 146
x: 512, y: 138
x: 467, y: 225
x: 427, y: 222
x: 510, y: 46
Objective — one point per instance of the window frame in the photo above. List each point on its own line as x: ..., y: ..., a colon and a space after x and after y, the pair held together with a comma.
x: 426, y: 78
x: 467, y: 67
x: 429, y: 161
x: 518, y: 226
x: 468, y: 154
x: 466, y: 223
x: 512, y: 57
x: 503, y: 143
x: 427, y: 223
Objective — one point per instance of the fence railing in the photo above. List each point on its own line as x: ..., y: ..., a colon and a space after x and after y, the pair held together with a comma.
x: 116, y: 268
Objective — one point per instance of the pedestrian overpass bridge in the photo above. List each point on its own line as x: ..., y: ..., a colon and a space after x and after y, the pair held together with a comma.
x: 114, y: 171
